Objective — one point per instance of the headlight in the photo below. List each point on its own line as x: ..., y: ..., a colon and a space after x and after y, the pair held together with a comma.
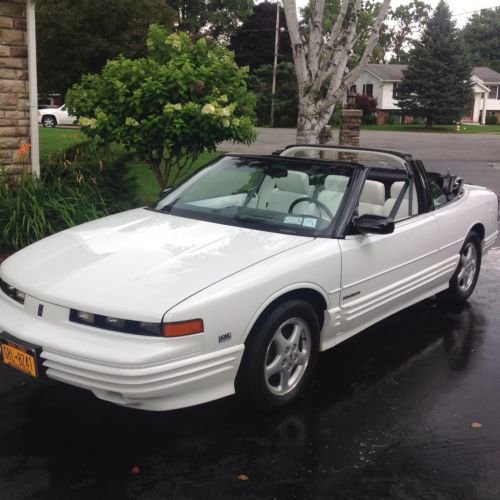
x: 115, y: 324
x: 12, y: 292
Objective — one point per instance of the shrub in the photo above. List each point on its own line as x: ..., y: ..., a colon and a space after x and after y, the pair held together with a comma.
x: 370, y: 120
x: 491, y: 119
x: 367, y: 104
x: 108, y: 167
x: 186, y: 97
x: 34, y: 208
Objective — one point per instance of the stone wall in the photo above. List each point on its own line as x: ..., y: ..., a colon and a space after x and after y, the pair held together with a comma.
x: 349, y: 131
x: 14, y: 105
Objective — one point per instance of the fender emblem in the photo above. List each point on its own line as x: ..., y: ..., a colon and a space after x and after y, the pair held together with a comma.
x: 223, y: 338
x: 40, y: 310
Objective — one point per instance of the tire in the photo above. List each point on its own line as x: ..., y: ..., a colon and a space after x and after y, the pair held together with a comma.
x: 280, y: 355
x: 464, y: 279
x: 49, y: 121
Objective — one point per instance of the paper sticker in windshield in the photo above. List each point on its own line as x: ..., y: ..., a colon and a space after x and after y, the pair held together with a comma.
x: 290, y: 219
x: 309, y: 222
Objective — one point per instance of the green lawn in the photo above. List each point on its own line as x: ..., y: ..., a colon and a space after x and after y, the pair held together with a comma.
x: 54, y: 141
x: 464, y: 129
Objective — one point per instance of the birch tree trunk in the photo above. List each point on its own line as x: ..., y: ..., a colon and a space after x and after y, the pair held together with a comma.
x: 321, y: 60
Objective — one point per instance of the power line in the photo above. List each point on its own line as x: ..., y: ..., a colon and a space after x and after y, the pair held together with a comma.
x: 474, y: 11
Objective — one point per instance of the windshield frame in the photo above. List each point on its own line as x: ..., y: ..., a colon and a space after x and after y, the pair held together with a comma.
x: 356, y: 170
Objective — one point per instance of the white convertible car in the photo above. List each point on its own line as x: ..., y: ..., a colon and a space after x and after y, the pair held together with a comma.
x: 240, y: 276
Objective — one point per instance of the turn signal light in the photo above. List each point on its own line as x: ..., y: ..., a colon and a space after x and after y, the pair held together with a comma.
x: 181, y: 328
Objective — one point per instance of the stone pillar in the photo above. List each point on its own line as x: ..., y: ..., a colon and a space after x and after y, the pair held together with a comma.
x: 14, y: 105
x: 350, y: 127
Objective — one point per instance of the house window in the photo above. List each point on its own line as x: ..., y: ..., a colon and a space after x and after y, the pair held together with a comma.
x: 395, y: 87
x: 494, y: 92
x: 368, y: 89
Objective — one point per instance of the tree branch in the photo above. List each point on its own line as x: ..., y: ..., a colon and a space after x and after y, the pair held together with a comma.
x: 298, y: 45
x: 335, y: 93
x: 315, y: 37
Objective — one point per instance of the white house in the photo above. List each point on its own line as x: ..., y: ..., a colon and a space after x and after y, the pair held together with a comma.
x: 381, y: 82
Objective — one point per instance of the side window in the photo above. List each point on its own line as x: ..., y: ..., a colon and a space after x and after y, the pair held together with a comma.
x: 386, y: 199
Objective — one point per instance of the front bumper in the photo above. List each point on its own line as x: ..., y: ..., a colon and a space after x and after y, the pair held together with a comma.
x: 148, y: 373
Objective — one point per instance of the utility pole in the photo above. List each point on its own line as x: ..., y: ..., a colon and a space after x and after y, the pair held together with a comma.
x: 276, y: 45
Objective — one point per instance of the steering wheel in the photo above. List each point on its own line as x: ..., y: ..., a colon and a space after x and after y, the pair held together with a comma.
x: 318, y: 203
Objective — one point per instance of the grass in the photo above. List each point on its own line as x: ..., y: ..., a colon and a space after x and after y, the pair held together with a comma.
x: 464, y: 129
x: 54, y: 141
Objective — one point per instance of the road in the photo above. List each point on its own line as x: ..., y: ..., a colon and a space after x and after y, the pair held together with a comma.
x: 408, y: 409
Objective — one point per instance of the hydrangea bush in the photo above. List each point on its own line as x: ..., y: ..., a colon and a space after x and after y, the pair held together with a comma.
x: 187, y: 96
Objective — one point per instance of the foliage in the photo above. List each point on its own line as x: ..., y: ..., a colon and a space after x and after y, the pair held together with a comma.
x: 491, y: 119
x: 186, y: 97
x: 437, y: 82
x: 75, y: 38
x: 367, y: 103
x: 217, y: 18
x: 107, y: 167
x: 482, y: 36
x: 365, y: 21
x: 408, y: 20
x: 38, y: 207
x: 286, y: 98
x: 253, y: 41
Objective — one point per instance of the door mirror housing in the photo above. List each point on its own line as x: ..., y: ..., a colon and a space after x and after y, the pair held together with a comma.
x: 375, y: 224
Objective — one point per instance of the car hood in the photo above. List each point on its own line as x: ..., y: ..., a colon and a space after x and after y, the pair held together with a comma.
x: 138, y: 264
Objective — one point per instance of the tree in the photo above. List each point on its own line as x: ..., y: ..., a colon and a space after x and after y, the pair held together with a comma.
x: 320, y: 60
x: 217, y: 18
x: 437, y: 82
x: 186, y: 97
x: 286, y: 98
x: 74, y: 38
x: 482, y: 36
x: 253, y: 41
x: 407, y: 20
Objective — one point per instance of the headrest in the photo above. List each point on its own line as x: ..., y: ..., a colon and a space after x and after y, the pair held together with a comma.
x: 373, y: 192
x: 336, y: 183
x: 295, y: 182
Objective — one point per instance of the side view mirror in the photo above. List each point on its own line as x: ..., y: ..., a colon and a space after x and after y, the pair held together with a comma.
x: 376, y: 224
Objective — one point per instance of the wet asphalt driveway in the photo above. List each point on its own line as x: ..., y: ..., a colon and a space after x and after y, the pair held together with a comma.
x: 409, y: 409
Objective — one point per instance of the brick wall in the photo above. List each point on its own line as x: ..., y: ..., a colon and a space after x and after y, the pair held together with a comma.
x: 14, y: 107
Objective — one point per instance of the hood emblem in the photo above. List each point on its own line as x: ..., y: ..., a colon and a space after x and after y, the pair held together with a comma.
x: 40, y: 310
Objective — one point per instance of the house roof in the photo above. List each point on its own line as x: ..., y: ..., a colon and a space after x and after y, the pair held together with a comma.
x: 394, y: 72
x: 487, y: 75
x: 387, y: 72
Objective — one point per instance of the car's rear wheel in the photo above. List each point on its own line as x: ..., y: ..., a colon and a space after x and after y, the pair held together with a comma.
x: 464, y: 279
x: 280, y: 355
x: 49, y: 121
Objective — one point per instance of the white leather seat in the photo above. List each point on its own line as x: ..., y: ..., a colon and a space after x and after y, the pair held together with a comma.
x: 372, y: 198
x: 404, y: 208
x: 288, y: 189
x: 336, y: 183
x: 334, y: 189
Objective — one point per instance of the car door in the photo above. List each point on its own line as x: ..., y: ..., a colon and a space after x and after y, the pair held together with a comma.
x: 383, y: 273
x: 63, y: 118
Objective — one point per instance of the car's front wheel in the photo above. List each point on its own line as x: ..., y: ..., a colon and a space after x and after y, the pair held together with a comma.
x: 280, y: 354
x: 464, y: 280
x: 49, y: 121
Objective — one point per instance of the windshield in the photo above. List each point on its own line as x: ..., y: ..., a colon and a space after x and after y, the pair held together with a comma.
x: 273, y: 194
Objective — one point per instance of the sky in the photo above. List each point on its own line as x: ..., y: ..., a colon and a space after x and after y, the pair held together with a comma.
x: 461, y: 9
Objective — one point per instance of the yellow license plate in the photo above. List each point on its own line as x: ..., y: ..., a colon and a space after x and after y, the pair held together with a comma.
x: 20, y: 358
